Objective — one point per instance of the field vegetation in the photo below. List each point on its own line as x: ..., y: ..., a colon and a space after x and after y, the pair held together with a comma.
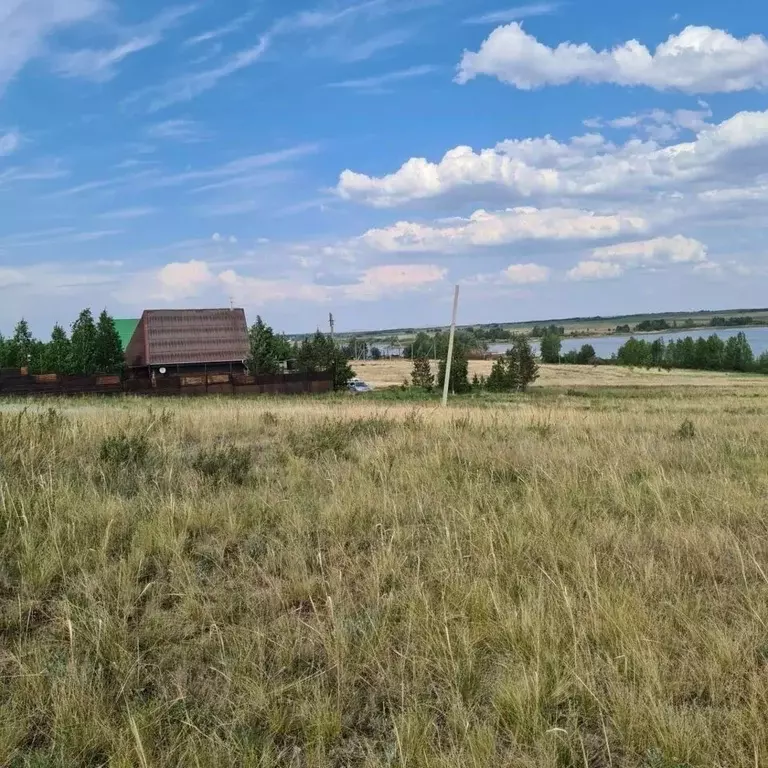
x: 570, y: 577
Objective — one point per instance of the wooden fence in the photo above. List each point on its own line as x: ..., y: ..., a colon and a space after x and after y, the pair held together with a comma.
x: 19, y: 383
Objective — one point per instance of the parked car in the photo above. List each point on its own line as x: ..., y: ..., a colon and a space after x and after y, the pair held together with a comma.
x: 356, y: 386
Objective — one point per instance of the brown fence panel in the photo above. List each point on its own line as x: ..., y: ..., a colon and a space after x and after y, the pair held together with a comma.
x: 15, y: 382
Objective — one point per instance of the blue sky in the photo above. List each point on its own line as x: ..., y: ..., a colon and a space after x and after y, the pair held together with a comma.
x: 362, y: 156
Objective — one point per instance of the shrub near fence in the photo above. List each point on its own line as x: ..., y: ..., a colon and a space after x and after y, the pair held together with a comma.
x: 19, y: 383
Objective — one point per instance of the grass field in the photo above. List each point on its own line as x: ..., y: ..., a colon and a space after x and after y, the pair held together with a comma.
x: 549, y: 580
x: 391, y: 373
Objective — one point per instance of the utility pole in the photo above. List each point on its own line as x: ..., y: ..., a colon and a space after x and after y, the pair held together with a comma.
x: 449, y: 361
x: 331, y: 323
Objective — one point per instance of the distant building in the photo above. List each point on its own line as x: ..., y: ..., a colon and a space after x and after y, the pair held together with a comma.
x: 188, y: 341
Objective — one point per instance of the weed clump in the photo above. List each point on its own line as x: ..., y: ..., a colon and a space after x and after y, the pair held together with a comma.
x: 224, y: 465
x: 687, y: 430
x: 124, y: 450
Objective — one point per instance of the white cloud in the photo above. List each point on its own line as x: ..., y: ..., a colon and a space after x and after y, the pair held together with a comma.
x: 382, y: 281
x: 186, y: 131
x: 595, y: 270
x: 586, y: 166
x: 527, y: 274
x: 99, y: 65
x: 9, y: 143
x: 613, y: 260
x: 25, y: 25
x: 484, y: 228
x: 514, y: 14
x: 378, y: 81
x: 658, y: 124
x: 698, y: 60
x: 182, y: 280
x: 226, y: 29
x: 128, y: 213
x: 677, y: 250
x: 187, y: 87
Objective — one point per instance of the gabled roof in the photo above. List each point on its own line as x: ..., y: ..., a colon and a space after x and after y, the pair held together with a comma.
x: 188, y: 336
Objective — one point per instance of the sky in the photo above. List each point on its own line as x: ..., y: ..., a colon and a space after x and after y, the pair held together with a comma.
x: 361, y: 157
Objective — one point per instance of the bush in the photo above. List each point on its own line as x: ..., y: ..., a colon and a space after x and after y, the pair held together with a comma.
x: 124, y: 450
x: 224, y: 465
x: 687, y: 430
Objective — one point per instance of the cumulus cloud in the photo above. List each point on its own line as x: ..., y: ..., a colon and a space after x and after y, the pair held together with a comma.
x: 488, y: 228
x: 527, y: 274
x: 698, y: 60
x: 677, y: 250
x: 585, y: 166
x: 182, y: 280
x: 381, y: 281
x: 595, y: 270
x: 613, y: 260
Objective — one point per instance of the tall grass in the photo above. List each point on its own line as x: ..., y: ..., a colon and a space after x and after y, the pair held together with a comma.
x: 546, y: 581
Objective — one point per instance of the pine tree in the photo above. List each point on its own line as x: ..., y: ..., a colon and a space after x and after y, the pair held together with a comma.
x: 459, y: 381
x: 57, y: 352
x: 421, y: 375
x: 263, y: 357
x: 108, y: 356
x: 83, y: 344
x: 522, y: 369
x: 498, y: 381
x: 21, y: 346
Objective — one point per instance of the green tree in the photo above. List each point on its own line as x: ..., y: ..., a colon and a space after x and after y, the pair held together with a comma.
x: 21, y: 346
x: 320, y: 353
x: 459, y: 381
x: 108, y: 355
x: 523, y: 370
x: 375, y: 353
x: 263, y: 356
x: 551, y: 345
x: 498, y: 381
x: 738, y: 353
x: 586, y: 355
x: 421, y: 375
x: 83, y: 344
x: 57, y: 352
x: 5, y: 352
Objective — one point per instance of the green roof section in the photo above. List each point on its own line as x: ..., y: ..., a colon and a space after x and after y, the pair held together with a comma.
x: 125, y: 329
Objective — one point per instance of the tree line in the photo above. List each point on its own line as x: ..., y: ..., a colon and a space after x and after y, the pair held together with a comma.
x: 92, y: 346
x: 273, y: 353
x: 708, y: 354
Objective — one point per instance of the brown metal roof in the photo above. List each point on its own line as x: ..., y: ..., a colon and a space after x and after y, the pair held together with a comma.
x: 189, y: 336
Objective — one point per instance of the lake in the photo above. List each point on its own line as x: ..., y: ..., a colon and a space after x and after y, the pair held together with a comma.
x: 605, y: 346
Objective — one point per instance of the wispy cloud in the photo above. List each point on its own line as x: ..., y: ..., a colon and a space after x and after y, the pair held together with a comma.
x: 42, y: 172
x: 186, y: 131
x: 100, y: 65
x: 240, y: 167
x: 187, y: 87
x: 366, y: 49
x: 9, y: 143
x: 226, y: 29
x: 24, y: 27
x: 506, y: 15
x: 128, y: 213
x: 378, y: 81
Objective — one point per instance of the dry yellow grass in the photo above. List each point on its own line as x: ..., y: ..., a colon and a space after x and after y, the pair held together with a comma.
x: 545, y: 580
x: 389, y: 373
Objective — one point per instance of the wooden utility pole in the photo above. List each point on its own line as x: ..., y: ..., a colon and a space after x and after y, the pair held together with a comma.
x: 331, y: 323
x: 449, y: 361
